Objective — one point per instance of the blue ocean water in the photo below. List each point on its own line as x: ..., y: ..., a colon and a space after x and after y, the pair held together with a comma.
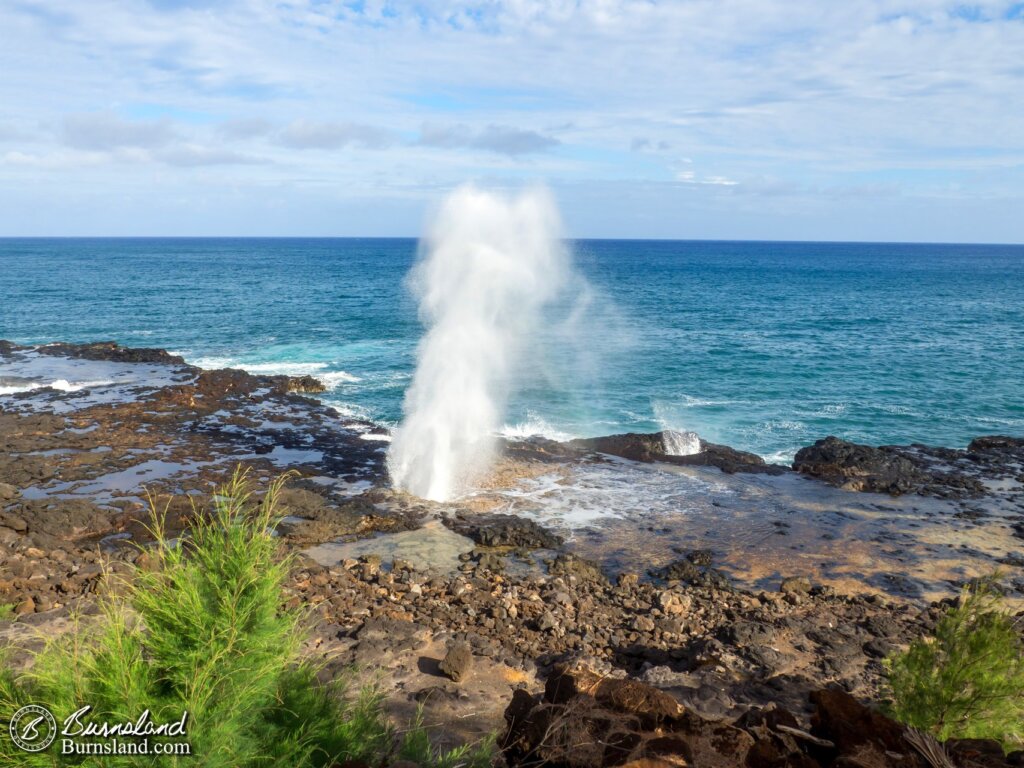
x: 763, y: 346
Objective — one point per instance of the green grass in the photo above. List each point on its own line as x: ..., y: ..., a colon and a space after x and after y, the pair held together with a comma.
x: 968, y: 680
x: 202, y: 629
x: 6, y: 611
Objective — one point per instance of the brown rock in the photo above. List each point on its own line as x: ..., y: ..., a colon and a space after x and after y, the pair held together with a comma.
x: 457, y: 661
x: 855, y: 728
x: 28, y: 605
x: 13, y: 521
x: 632, y: 697
x: 795, y: 585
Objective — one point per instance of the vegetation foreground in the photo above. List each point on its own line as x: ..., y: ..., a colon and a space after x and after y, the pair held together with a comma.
x: 201, y: 629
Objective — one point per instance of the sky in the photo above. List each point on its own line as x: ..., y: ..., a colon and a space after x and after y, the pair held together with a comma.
x: 880, y: 120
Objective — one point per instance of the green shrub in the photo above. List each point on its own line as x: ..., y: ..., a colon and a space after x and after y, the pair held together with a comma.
x: 967, y: 681
x: 201, y: 629
x: 416, y: 747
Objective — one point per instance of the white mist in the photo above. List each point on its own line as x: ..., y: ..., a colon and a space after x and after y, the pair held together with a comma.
x: 488, y: 266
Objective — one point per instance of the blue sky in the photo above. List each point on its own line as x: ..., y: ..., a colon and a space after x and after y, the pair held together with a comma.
x: 744, y: 119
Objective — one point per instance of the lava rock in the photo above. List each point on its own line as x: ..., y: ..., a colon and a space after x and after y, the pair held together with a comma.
x: 858, y: 467
x: 505, y: 531
x: 457, y: 660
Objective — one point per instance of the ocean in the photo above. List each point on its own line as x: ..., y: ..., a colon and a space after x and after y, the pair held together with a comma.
x: 764, y: 346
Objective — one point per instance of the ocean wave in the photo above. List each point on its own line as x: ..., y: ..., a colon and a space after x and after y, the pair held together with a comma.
x: 15, y: 389
x: 533, y: 426
x: 780, y: 457
x: 213, y: 363
x: 699, y: 402
x: 62, y: 385
x: 334, y: 378
x: 353, y: 411
x: 318, y: 370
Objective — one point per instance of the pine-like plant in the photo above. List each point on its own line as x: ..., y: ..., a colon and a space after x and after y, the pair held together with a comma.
x: 201, y: 628
x: 968, y: 680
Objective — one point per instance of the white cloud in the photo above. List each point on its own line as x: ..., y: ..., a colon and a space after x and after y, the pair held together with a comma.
x: 502, y: 139
x: 395, y: 100
x: 107, y: 132
x: 307, y: 134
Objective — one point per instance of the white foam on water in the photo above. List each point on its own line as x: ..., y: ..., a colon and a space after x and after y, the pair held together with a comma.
x: 534, y: 426
x: 333, y: 378
x: 74, y: 386
x: 589, y: 493
x: 214, y: 363
x: 318, y: 370
x: 487, y: 268
x: 62, y: 385
x: 282, y: 368
x: 780, y: 457
x: 680, y: 443
x: 13, y: 389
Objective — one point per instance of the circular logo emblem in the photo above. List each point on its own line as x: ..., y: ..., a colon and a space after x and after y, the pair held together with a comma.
x: 33, y: 728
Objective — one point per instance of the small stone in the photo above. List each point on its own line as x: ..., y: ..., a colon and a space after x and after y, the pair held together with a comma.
x: 628, y: 580
x: 643, y: 624
x: 673, y: 603
x: 8, y: 492
x: 457, y: 660
x: 700, y: 557
x: 28, y: 605
x: 795, y: 585
x: 14, y: 522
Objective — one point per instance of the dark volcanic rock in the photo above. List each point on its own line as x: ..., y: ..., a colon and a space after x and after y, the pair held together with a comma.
x: 504, y: 531
x: 686, y: 571
x: 305, y: 385
x: 858, y: 467
x: 587, y: 719
x: 651, y: 447
x: 633, y: 445
x: 110, y: 350
x: 457, y: 661
x: 989, y: 444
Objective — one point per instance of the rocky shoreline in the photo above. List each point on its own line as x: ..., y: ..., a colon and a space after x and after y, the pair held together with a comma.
x: 477, y: 637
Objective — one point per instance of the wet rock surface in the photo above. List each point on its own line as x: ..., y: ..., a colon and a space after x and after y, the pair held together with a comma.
x: 652, y: 447
x: 987, y: 463
x: 497, y: 530
x: 688, y: 662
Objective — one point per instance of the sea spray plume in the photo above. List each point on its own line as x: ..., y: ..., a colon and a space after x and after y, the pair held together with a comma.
x: 487, y: 268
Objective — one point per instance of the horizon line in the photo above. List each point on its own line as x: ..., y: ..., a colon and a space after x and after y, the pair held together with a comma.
x: 782, y: 241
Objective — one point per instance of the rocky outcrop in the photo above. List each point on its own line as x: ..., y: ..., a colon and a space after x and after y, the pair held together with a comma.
x: 650, y: 447
x: 898, y: 469
x: 858, y: 467
x: 499, y: 530
x: 309, y: 385
x: 112, y: 351
x: 585, y: 719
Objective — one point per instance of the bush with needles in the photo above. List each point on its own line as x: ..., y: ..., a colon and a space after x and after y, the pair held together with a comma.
x: 967, y: 681
x: 202, y: 629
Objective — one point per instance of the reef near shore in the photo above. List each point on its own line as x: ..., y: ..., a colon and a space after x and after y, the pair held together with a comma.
x: 492, y: 620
